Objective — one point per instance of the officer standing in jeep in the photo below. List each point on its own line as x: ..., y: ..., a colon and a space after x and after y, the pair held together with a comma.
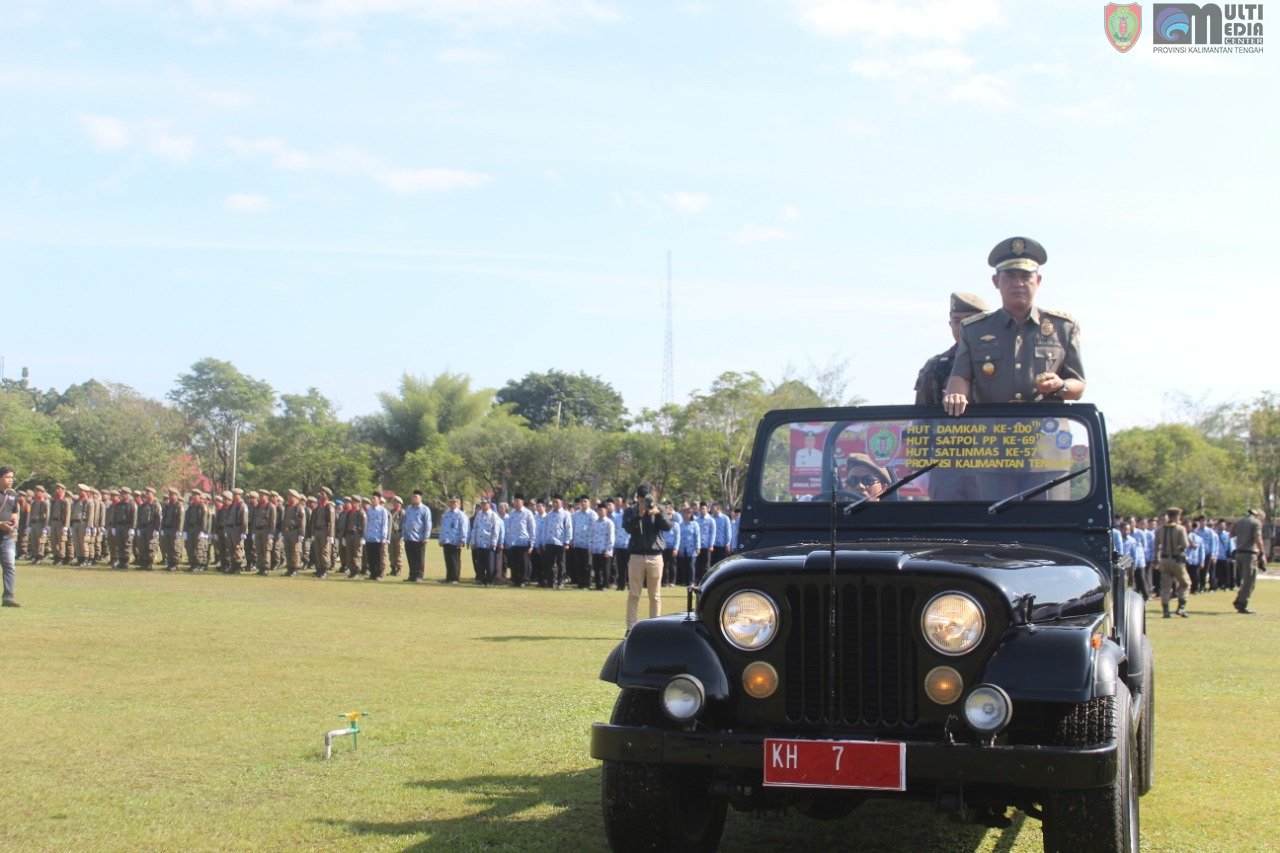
x: 1017, y: 353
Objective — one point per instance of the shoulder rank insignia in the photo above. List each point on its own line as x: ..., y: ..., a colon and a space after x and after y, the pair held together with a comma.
x: 987, y: 338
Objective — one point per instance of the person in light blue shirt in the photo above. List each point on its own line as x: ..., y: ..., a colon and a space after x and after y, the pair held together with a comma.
x: 602, y: 539
x: 1194, y: 556
x: 671, y: 546
x: 1130, y: 547
x: 521, y: 532
x: 454, y: 533
x: 377, y: 533
x: 690, y: 548
x: 736, y: 520
x: 1209, y: 539
x: 1222, y: 568
x: 557, y: 532
x: 708, y: 537
x: 721, y: 535
x: 486, y: 542
x: 415, y: 530
x: 1145, y: 533
x: 621, y: 544
x: 580, y: 554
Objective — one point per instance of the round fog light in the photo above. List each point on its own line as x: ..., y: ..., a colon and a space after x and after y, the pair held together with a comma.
x: 759, y: 679
x: 682, y: 698
x: 988, y: 709
x: 943, y: 684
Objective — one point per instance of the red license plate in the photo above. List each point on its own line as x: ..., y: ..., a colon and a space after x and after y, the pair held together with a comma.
x: 874, y: 765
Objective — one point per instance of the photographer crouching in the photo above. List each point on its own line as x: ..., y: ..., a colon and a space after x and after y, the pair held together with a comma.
x: 645, y: 522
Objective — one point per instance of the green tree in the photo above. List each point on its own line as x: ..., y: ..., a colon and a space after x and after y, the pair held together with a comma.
x: 421, y: 410
x: 306, y: 446
x: 434, y: 469
x: 221, y: 406
x: 555, y: 398
x: 33, y: 398
x: 1263, y: 425
x: 488, y: 452
x: 120, y: 436
x: 1176, y: 464
x: 721, y: 423
x: 31, y: 443
x: 557, y: 461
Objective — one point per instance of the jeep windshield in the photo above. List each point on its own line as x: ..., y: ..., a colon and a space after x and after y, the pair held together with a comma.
x: 997, y: 461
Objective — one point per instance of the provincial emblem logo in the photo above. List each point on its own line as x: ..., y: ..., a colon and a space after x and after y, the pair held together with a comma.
x: 1123, y: 24
x: 1019, y: 246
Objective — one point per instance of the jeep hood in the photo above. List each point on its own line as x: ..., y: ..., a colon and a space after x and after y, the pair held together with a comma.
x: 1061, y: 584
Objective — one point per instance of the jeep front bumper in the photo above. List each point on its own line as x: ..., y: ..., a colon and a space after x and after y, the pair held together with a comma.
x: 927, y: 761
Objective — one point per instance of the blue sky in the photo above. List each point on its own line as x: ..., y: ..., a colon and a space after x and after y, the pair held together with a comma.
x: 331, y: 193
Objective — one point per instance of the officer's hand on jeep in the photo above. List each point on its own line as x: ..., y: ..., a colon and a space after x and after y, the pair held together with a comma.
x: 955, y: 404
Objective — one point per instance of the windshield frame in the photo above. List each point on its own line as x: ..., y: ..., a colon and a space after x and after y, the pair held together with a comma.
x: 1092, y: 510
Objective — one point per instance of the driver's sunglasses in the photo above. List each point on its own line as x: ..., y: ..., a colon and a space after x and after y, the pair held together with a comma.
x: 864, y: 480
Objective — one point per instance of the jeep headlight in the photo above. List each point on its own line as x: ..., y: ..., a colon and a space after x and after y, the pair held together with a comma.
x: 749, y: 620
x: 953, y: 623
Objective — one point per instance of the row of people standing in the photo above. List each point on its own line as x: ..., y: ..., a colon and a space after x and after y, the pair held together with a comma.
x: 262, y: 531
x: 548, y: 545
x: 1177, y: 557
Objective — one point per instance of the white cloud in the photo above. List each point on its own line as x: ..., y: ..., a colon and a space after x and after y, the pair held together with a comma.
x: 106, y: 132
x: 429, y: 180
x: 352, y: 161
x: 468, y: 56
x: 985, y: 90
x: 950, y: 21
x: 753, y: 232
x: 790, y: 213
x: 279, y: 153
x: 248, y: 203
x: 152, y: 136
x: 176, y: 149
x: 1098, y: 112
x: 490, y: 14
x: 688, y: 202
x: 945, y: 61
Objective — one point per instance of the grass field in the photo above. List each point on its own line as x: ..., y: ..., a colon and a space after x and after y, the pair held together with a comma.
x: 176, y: 711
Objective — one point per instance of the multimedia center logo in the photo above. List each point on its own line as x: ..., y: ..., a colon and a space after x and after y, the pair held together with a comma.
x: 1123, y: 23
x: 1208, y: 28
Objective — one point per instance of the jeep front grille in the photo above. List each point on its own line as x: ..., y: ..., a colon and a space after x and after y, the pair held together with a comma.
x: 875, y: 654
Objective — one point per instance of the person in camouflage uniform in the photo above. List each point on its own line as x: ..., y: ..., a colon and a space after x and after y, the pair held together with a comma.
x: 125, y: 520
x: 147, y: 541
x: 171, y: 527
x: 38, y: 526
x: 60, y: 526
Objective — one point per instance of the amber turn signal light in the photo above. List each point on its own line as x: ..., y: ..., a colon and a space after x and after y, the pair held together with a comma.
x: 760, y: 680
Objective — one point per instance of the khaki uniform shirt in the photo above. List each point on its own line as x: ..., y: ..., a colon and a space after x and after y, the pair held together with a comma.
x: 1002, y: 357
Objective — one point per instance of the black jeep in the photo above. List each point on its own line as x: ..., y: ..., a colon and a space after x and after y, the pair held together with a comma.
x: 931, y: 608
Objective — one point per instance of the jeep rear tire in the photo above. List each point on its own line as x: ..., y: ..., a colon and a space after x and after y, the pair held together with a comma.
x: 1098, y: 819
x: 657, y: 806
